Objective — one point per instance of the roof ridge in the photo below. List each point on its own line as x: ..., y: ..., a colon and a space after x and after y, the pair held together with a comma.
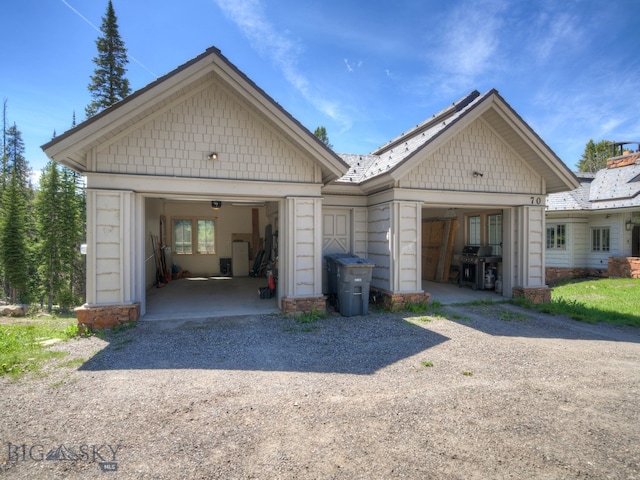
x: 437, y: 117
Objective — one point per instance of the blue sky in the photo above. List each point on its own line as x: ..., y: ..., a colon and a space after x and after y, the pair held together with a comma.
x: 367, y: 71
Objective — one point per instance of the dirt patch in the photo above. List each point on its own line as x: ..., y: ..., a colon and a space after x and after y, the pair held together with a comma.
x: 481, y: 392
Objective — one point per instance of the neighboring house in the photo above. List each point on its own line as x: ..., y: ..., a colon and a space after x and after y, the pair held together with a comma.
x: 473, y: 174
x: 594, y: 230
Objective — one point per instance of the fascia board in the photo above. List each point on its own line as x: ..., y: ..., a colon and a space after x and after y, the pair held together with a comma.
x: 207, y: 187
x: 453, y: 198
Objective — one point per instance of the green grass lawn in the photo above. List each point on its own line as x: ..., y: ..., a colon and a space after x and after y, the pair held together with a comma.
x: 23, y: 344
x: 609, y: 300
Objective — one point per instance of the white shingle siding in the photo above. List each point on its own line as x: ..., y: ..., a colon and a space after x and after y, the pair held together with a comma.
x: 476, y: 148
x: 177, y: 142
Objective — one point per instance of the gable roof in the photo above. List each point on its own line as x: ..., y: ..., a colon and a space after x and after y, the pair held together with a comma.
x: 72, y: 147
x: 617, y: 186
x: 397, y: 157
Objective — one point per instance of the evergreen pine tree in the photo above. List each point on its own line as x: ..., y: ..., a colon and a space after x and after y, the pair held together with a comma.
x: 321, y: 134
x: 51, y: 233
x: 72, y: 215
x: 108, y: 84
x: 14, y: 221
x: 595, y: 156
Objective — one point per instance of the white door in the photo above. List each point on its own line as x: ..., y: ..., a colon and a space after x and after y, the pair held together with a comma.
x: 336, y: 236
x: 335, y: 231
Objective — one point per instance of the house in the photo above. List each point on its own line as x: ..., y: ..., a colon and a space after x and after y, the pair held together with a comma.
x: 594, y: 230
x: 473, y: 174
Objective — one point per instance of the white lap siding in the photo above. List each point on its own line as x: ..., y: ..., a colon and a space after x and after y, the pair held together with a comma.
x: 302, y: 247
x: 110, y: 257
x: 379, y: 241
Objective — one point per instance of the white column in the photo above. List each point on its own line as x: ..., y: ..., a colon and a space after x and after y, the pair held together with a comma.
x: 113, y: 248
x: 406, y: 245
x: 530, y: 247
x: 301, y: 247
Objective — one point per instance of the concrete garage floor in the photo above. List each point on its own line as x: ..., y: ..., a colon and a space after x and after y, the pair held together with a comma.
x: 210, y: 297
x: 207, y: 297
x: 448, y: 293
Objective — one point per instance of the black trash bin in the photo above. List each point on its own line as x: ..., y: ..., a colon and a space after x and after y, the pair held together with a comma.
x: 353, y: 280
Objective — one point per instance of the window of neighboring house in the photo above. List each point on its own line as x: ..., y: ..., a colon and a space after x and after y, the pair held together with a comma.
x: 600, y: 239
x: 188, y: 232
x: 556, y: 237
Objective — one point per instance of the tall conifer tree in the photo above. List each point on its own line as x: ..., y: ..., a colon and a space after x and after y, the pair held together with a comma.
x: 51, y: 233
x: 108, y: 83
x: 595, y: 156
x: 14, y: 221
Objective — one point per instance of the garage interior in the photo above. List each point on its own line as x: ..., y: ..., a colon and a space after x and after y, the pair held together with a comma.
x: 208, y: 291
x: 201, y: 257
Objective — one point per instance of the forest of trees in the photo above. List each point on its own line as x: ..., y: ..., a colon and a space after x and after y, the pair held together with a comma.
x: 42, y: 226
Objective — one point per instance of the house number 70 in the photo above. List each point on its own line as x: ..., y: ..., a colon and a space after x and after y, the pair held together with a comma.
x: 536, y: 200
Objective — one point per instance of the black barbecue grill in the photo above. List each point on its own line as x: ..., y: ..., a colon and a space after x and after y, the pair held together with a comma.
x: 478, y: 267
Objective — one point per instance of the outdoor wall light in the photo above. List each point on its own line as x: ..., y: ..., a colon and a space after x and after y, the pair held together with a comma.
x: 212, y: 156
x: 628, y: 226
x: 216, y: 204
x: 477, y: 174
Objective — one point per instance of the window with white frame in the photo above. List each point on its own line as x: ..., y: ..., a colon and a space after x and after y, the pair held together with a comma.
x: 494, y: 232
x: 600, y: 239
x: 557, y: 237
x: 485, y: 229
x: 473, y: 228
x: 193, y: 235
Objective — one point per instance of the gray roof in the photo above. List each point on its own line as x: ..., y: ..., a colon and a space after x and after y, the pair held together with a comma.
x: 612, y: 187
x: 577, y: 199
x: 392, y: 153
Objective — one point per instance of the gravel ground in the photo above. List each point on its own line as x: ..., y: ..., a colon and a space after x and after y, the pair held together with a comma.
x: 481, y: 392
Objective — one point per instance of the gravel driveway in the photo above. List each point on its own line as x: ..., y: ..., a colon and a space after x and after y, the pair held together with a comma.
x: 481, y: 392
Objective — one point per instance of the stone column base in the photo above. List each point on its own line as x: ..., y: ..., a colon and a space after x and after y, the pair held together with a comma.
x: 304, y: 305
x: 91, y: 319
x: 395, y: 302
x: 534, y: 294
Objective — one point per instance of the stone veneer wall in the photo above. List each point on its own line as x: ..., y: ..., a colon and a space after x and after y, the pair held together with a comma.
x: 554, y: 275
x: 624, y: 267
x: 394, y: 302
x: 535, y: 294
x: 304, y: 305
x: 97, y: 318
x: 621, y: 267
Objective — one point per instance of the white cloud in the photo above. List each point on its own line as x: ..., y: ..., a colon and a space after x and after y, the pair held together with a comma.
x: 251, y: 18
x: 556, y: 31
x: 470, y: 41
x: 349, y: 67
